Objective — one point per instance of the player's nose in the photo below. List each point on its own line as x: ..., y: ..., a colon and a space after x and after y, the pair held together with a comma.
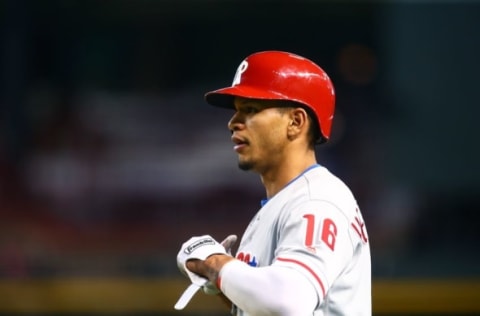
x: 236, y: 122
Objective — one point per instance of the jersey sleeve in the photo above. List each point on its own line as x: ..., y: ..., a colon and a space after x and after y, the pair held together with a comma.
x: 315, y: 239
x: 269, y: 290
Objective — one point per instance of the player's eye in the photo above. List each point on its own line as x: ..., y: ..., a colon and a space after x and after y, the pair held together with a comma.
x: 250, y: 110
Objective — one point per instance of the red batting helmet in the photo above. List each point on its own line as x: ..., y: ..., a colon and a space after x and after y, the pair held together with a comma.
x: 276, y: 75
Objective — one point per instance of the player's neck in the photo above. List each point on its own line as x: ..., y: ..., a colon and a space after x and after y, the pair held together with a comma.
x: 277, y: 177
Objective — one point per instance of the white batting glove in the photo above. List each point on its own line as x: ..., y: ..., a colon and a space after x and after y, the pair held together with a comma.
x: 210, y: 288
x: 198, y: 247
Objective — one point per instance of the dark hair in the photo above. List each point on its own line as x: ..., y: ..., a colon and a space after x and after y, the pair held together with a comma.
x: 316, y: 138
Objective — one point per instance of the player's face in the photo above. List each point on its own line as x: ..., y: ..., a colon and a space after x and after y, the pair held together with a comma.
x: 259, y: 133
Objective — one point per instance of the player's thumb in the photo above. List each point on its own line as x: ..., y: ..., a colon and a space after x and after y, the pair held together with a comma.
x: 228, y: 243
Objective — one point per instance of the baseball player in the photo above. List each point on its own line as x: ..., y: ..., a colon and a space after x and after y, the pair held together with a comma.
x: 306, y: 251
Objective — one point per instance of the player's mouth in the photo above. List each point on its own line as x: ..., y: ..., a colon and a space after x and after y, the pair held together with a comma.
x: 239, y: 142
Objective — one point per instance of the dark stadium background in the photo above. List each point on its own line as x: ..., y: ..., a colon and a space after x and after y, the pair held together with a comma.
x: 110, y: 158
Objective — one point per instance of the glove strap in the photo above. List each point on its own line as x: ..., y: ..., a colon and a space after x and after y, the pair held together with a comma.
x: 188, y: 295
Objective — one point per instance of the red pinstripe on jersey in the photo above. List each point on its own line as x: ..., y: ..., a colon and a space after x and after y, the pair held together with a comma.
x: 303, y: 265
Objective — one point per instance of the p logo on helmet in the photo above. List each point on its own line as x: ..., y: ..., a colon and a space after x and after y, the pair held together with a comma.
x: 240, y: 70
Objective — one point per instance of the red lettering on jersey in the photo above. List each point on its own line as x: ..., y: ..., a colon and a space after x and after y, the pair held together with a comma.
x: 245, y: 257
x: 310, y: 229
x: 329, y: 233
x: 248, y: 258
x: 359, y: 227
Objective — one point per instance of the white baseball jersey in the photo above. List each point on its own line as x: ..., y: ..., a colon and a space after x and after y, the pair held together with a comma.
x: 314, y: 226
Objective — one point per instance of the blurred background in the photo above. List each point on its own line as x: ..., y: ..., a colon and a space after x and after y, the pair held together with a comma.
x: 110, y: 158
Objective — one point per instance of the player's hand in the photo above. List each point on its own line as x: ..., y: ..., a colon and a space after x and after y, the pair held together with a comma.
x: 210, y: 288
x: 198, y: 247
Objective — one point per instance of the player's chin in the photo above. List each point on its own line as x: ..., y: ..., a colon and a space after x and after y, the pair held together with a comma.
x: 245, y: 164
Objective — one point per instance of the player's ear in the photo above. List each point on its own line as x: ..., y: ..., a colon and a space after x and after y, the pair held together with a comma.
x: 298, y: 121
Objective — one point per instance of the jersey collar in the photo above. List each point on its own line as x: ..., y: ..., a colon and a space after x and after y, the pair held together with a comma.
x: 265, y: 200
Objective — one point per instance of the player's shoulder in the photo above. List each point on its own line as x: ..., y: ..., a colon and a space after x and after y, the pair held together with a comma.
x: 321, y: 184
x: 325, y: 181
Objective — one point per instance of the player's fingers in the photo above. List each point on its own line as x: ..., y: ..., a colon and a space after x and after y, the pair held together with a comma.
x: 197, y: 267
x: 191, y: 263
x: 191, y: 266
